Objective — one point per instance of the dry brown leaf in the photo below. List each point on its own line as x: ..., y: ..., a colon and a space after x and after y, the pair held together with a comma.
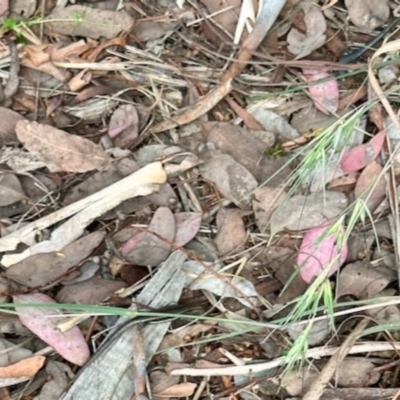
x: 232, y: 235
x: 23, y: 369
x: 371, y: 185
x: 246, y: 146
x: 94, y: 23
x: 179, y: 390
x: 91, y: 291
x: 70, y: 152
x: 145, y: 31
x: 80, y: 80
x: 43, y: 269
x: 232, y: 179
x: 362, y: 280
x: 227, y: 14
x: 144, y: 248
x: 10, y: 189
x: 303, y: 44
x: 49, y: 68
x: 124, y: 126
x: 266, y: 200
x: 303, y: 212
x: 368, y: 14
x: 9, y: 120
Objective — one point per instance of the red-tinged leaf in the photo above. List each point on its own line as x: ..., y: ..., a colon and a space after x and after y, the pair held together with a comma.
x: 360, y: 156
x: 43, y: 322
x: 316, y: 254
x: 187, y: 226
x: 325, y: 95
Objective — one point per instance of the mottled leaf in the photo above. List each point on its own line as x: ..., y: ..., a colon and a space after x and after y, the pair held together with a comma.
x: 71, y: 344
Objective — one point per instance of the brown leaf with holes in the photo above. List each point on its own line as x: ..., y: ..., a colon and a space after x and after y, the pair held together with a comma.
x: 70, y: 152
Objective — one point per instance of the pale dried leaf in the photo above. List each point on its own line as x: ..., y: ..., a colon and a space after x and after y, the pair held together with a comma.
x: 69, y: 152
x: 144, y: 248
x: 371, y: 185
x: 10, y: 353
x: 303, y: 44
x: 368, y: 14
x: 200, y: 278
x: 272, y: 122
x: 232, y: 179
x: 10, y: 189
x: 246, y: 146
x: 91, y: 22
x: 124, y: 126
x: 179, y: 390
x: 59, y: 376
x: 47, y: 268
x: 9, y: 119
x: 187, y: 225
x: 266, y: 200
x: 91, y: 291
x: 362, y: 280
x: 231, y: 232
x: 304, y: 212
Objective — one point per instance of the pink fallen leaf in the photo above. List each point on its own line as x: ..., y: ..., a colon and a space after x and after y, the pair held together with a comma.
x: 187, y: 226
x: 43, y: 322
x: 325, y: 95
x: 360, y: 156
x: 316, y: 254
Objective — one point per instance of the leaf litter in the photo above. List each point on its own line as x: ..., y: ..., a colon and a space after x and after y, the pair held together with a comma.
x: 248, y: 181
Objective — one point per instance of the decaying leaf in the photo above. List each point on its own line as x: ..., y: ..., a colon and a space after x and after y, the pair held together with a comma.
x: 10, y: 189
x: 232, y: 179
x: 304, y: 212
x: 303, y: 44
x: 200, y: 278
x: 360, y: 156
x: 272, y: 122
x: 319, y: 251
x: 91, y: 291
x: 371, y: 185
x: 9, y: 119
x: 266, y: 200
x: 368, y: 14
x: 124, y: 126
x: 69, y: 152
x: 325, y: 94
x: 363, y: 280
x: 231, y: 236
x: 246, y: 146
x: 89, y: 22
x: 144, y: 248
x: 22, y: 370
x: 187, y: 225
x: 48, y: 268
x: 71, y: 344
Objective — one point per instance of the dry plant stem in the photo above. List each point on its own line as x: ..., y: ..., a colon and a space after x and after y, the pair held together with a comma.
x: 318, y: 386
x: 269, y: 13
x: 392, y: 192
x: 315, y: 353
